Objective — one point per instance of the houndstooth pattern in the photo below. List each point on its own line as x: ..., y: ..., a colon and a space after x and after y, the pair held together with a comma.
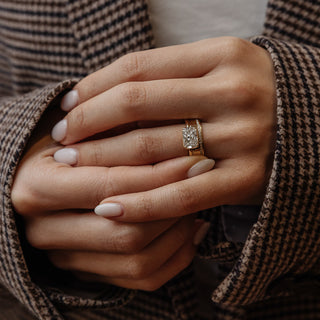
x: 44, y: 44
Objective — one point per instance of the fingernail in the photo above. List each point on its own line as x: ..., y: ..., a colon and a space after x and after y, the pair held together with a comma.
x: 70, y: 100
x: 201, y: 233
x: 67, y: 156
x: 201, y: 167
x: 109, y: 210
x: 59, y: 131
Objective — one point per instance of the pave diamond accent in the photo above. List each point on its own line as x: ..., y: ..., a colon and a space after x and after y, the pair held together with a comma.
x: 190, y: 137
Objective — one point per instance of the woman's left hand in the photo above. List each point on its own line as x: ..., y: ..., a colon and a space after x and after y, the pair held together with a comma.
x: 227, y: 83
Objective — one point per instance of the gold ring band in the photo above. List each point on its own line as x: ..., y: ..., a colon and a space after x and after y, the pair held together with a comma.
x: 192, y: 137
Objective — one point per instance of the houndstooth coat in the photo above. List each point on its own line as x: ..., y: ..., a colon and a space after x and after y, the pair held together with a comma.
x: 275, y: 274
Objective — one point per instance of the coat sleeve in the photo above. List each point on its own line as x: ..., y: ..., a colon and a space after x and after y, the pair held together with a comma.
x: 18, y: 117
x: 281, y: 254
x: 19, y: 274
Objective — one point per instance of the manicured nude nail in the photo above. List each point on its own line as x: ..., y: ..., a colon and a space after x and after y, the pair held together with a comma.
x: 201, y: 167
x: 70, y: 100
x: 59, y: 131
x: 201, y: 233
x: 67, y: 156
x: 109, y: 210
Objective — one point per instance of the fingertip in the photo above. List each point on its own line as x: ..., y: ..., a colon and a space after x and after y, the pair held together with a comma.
x: 109, y: 210
x: 59, y: 131
x: 70, y: 101
x: 67, y: 156
x: 200, y: 167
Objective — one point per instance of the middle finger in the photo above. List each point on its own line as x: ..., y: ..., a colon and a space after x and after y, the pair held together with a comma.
x: 137, y: 101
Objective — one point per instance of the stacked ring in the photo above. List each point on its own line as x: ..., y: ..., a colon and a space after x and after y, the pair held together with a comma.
x: 192, y: 137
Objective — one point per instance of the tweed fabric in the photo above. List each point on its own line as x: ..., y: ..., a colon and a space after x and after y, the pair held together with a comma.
x: 283, y: 239
x: 276, y: 273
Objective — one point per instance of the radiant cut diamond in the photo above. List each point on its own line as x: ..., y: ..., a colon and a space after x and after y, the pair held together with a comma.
x: 190, y: 137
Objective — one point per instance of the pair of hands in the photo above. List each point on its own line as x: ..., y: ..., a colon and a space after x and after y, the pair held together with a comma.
x: 140, y: 173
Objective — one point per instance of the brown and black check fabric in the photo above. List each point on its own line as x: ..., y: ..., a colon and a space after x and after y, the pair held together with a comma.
x: 275, y: 274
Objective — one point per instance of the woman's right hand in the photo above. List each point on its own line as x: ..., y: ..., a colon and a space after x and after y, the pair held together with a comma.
x: 57, y: 201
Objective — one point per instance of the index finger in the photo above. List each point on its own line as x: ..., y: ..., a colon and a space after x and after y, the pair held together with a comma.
x: 174, y: 200
x: 223, y: 185
x: 161, y: 63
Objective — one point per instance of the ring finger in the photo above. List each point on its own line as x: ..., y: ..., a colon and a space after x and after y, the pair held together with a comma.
x: 151, y: 145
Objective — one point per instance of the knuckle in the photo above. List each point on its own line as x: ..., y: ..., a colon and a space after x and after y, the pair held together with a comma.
x: 145, y: 208
x: 145, y: 146
x: 242, y: 92
x: 77, y: 117
x: 135, y: 245
x: 129, y: 241
x: 158, y: 175
x: 104, y: 186
x: 19, y: 200
x: 181, y: 263
x: 26, y: 199
x: 234, y: 47
x: 134, y: 97
x: 96, y: 154
x: 134, y: 65
x: 138, y: 268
